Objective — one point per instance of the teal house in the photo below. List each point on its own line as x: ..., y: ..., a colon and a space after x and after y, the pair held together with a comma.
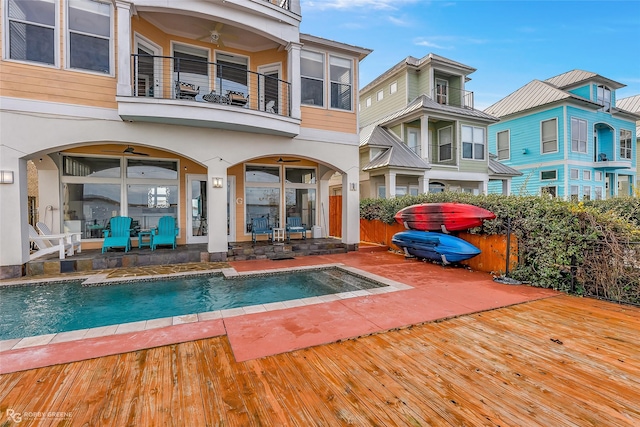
x: 568, y: 138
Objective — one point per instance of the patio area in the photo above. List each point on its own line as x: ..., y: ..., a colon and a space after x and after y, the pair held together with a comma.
x: 454, y: 348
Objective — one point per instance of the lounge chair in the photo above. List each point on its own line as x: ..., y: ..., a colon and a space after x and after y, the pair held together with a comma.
x: 260, y: 226
x: 118, y: 235
x: 165, y: 233
x: 74, y: 239
x: 295, y: 225
x: 46, y: 245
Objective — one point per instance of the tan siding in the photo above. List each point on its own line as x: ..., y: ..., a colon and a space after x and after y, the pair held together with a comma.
x: 320, y: 118
x: 474, y: 166
x: 413, y: 85
x: 423, y: 83
x: 389, y: 104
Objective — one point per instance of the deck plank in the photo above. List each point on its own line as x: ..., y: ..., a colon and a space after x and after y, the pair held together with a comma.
x: 562, y: 361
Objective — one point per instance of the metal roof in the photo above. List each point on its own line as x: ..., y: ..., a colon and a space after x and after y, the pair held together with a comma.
x: 533, y: 94
x: 497, y: 168
x: 574, y: 77
x: 398, y: 154
x: 632, y: 104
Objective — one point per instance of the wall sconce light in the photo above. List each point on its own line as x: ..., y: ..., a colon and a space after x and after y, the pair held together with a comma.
x: 353, y: 186
x: 525, y: 151
x: 217, y: 182
x: 6, y: 177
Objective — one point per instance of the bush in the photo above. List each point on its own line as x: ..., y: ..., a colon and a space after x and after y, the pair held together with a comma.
x: 557, y: 239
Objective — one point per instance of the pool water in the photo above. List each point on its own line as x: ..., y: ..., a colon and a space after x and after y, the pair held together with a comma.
x: 44, y: 309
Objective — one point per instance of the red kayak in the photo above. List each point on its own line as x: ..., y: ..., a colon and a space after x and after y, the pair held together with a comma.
x: 442, y: 216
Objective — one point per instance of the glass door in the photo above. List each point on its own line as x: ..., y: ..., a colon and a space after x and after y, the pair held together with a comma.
x: 197, y: 227
x: 270, y: 88
x: 148, y: 69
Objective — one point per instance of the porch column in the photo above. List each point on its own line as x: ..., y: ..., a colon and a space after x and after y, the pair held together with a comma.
x: 424, y: 138
x: 484, y: 187
x: 423, y: 185
x: 217, y: 207
x: 14, y: 245
x: 123, y: 57
x: 390, y: 185
x: 351, y: 208
x: 294, y: 78
x: 506, y: 187
x: 323, y: 199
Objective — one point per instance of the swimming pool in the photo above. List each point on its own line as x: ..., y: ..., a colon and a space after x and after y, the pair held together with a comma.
x: 45, y: 309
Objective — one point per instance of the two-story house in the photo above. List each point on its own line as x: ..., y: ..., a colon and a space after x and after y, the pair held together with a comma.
x: 568, y: 137
x: 420, y: 132
x: 632, y: 103
x: 214, y: 112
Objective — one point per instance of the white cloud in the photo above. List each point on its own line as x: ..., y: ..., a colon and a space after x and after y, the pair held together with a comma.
x: 400, y: 22
x: 446, y: 42
x: 427, y: 43
x: 353, y: 4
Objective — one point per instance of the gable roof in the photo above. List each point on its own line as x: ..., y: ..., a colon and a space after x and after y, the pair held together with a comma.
x: 533, y: 94
x: 631, y: 104
x: 575, y: 77
x: 497, y: 169
x: 397, y: 153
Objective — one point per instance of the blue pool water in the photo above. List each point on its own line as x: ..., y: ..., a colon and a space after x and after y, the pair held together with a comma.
x: 37, y: 310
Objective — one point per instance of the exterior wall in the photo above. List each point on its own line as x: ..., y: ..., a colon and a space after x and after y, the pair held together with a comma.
x: 325, y: 119
x: 584, y: 91
x: 389, y: 104
x: 413, y: 85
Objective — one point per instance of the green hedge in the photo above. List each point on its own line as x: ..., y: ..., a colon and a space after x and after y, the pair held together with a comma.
x: 554, y: 235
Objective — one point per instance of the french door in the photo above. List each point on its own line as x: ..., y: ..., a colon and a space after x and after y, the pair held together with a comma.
x: 148, y: 69
x: 270, y: 96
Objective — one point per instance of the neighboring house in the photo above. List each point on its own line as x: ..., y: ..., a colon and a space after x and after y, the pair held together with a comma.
x: 211, y: 112
x: 632, y: 104
x: 568, y: 136
x: 420, y: 133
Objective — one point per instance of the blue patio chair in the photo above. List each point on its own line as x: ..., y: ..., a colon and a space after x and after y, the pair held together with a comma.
x: 118, y: 235
x: 260, y: 226
x: 295, y: 225
x: 165, y: 233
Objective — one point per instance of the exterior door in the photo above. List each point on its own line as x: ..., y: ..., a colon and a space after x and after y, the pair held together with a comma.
x: 197, y: 226
x: 270, y: 96
x: 147, y: 69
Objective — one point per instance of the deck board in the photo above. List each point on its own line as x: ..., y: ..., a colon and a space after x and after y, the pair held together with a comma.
x: 561, y: 361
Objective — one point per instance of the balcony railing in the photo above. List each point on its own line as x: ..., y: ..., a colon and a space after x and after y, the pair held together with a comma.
x: 186, y: 79
x: 285, y: 4
x: 454, y: 97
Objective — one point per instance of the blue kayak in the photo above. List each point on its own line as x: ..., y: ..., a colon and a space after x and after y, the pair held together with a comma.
x: 435, y: 246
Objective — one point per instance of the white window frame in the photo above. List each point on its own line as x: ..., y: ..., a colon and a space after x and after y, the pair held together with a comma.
x: 440, y: 144
x: 574, y: 192
x: 393, y: 87
x: 474, y: 143
x: 367, y: 102
x: 598, y: 193
x: 626, y: 147
x: 414, y: 133
x: 350, y: 84
x: 602, y: 93
x: 578, y: 140
x: 542, y: 140
x: 380, y: 95
x: 503, y: 149
x: 574, y: 174
x: 382, y: 191
x: 67, y: 41
x: 545, y: 190
x: 6, y: 46
x: 555, y: 171
x: 439, y: 96
x: 586, y: 192
x: 323, y: 79
x: 586, y: 175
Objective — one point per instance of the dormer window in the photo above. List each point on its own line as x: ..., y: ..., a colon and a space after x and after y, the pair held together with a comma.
x: 604, y: 98
x: 441, y: 91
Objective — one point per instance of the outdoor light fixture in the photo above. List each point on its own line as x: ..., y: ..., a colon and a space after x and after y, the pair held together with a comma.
x: 217, y: 182
x: 353, y: 186
x: 6, y: 177
x: 525, y: 151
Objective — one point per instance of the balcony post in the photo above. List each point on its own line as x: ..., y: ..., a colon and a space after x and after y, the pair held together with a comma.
x: 123, y: 57
x: 294, y: 77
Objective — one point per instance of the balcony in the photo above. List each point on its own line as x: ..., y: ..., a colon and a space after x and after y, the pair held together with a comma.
x: 453, y: 97
x: 184, y: 90
x: 604, y: 161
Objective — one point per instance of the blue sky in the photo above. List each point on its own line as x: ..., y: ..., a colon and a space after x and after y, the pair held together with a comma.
x: 510, y: 43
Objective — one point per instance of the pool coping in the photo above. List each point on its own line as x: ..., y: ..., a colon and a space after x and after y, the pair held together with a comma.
x: 145, y: 325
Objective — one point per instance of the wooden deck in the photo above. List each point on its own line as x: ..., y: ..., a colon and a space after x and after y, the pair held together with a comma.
x: 561, y: 361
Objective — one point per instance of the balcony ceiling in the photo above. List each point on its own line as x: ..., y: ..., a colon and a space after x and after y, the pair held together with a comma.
x: 198, y: 28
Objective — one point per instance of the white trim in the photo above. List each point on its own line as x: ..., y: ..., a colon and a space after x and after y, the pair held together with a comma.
x: 542, y: 152
x: 440, y: 159
x: 323, y: 79
x: 189, y: 179
x: 577, y: 174
x: 380, y: 95
x: 328, y: 136
x: 264, y: 70
x: 508, y: 144
x: 586, y: 140
x: 473, y: 151
x: 20, y: 105
x: 352, y: 84
x: 393, y: 87
x: 549, y: 179
x: 140, y: 40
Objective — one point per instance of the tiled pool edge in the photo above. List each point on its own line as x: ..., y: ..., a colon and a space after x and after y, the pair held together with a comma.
x: 144, y: 325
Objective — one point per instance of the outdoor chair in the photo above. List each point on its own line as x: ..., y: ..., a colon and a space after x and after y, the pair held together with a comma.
x: 165, y: 233
x: 186, y: 90
x: 118, y: 235
x: 260, y: 226
x: 74, y: 239
x: 295, y: 225
x: 46, y: 245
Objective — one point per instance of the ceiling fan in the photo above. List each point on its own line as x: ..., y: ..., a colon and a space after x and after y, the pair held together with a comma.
x: 281, y: 160
x: 215, y: 36
x: 128, y: 150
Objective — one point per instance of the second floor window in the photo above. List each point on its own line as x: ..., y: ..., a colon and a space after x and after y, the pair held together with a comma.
x: 604, y: 97
x: 89, y: 38
x: 341, y: 81
x: 441, y: 91
x: 503, y: 145
x: 445, y: 144
x: 472, y: 143
x: 32, y: 30
x: 549, y: 136
x: 578, y: 136
x: 312, y: 72
x: 625, y: 144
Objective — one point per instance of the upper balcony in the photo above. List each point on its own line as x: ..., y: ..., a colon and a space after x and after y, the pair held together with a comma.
x: 446, y: 95
x: 186, y: 91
